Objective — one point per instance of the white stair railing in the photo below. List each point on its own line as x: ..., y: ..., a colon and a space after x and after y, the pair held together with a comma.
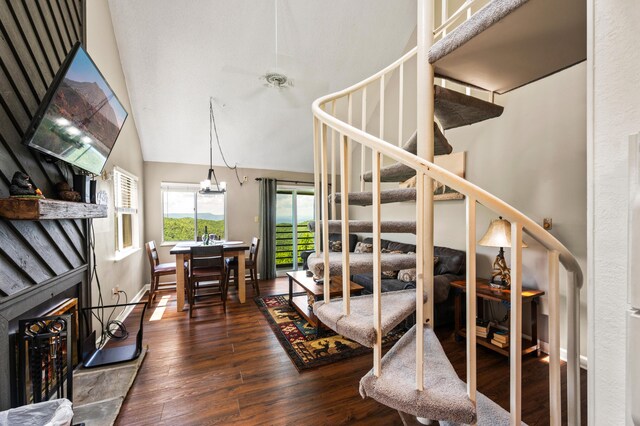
x: 425, y: 170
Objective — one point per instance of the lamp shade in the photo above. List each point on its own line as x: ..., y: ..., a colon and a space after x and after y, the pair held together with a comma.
x: 498, y: 234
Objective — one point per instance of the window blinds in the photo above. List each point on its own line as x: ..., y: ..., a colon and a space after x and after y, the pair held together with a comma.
x: 126, y: 197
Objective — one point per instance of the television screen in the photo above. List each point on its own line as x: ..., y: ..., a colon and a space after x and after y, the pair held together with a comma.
x: 80, y: 118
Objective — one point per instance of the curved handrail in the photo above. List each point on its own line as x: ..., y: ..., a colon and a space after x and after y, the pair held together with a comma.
x: 461, y: 185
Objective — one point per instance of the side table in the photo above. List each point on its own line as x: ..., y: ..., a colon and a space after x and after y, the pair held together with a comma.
x: 485, y: 292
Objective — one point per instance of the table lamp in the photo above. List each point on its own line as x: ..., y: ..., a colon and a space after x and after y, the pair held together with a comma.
x: 499, y: 235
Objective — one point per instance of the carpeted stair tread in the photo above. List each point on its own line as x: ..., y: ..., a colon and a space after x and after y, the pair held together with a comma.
x: 479, y: 22
x: 510, y: 43
x: 489, y: 414
x: 388, y: 226
x: 358, y: 325
x: 440, y: 143
x: 361, y: 263
x: 387, y: 196
x: 444, y: 396
x: 455, y: 109
x: 394, y: 173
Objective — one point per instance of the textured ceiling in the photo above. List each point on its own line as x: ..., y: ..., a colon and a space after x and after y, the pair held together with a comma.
x: 178, y: 53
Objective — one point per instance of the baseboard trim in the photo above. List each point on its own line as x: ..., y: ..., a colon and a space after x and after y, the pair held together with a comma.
x: 544, y: 347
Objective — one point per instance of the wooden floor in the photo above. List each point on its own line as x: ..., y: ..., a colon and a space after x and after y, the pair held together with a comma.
x: 217, y: 369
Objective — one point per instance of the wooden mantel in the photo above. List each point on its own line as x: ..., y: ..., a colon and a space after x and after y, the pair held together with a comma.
x: 41, y: 209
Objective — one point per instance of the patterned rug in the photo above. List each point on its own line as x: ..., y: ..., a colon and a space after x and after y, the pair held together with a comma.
x: 299, y: 340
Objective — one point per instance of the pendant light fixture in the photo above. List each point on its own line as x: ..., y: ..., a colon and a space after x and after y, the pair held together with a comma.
x: 206, y: 186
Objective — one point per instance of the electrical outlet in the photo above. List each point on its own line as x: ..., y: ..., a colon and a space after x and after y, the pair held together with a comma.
x: 115, y: 290
x: 245, y: 179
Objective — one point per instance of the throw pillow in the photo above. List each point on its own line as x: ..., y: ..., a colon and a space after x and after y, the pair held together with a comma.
x: 363, y: 248
x: 407, y: 275
x: 389, y: 274
x: 335, y: 245
x: 384, y: 250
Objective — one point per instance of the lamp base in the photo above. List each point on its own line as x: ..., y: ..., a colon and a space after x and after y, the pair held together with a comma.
x: 502, y: 285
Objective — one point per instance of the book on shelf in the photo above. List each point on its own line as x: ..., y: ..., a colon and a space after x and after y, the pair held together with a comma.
x: 482, y: 334
x: 499, y: 344
x: 500, y: 338
x: 482, y: 325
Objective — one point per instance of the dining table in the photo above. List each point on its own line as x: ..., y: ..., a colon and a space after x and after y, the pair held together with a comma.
x: 182, y: 252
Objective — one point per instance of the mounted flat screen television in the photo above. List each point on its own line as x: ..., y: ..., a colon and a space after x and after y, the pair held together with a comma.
x: 80, y: 117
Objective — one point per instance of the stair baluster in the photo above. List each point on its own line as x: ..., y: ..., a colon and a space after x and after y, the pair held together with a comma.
x: 333, y: 164
x: 515, y: 353
x: 363, y: 126
x: 344, y: 212
x: 325, y: 209
x: 555, y: 391
x: 470, y: 204
x: 377, y: 270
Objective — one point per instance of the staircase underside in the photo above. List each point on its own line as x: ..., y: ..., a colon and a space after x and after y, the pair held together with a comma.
x: 455, y: 109
x: 387, y: 226
x: 361, y: 263
x: 358, y: 325
x: 534, y: 39
x: 386, y: 196
x: 440, y: 143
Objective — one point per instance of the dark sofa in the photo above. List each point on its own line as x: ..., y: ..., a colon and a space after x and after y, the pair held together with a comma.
x: 451, y: 266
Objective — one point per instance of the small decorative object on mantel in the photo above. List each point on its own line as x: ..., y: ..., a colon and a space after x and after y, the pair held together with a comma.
x: 23, y: 186
x: 65, y: 193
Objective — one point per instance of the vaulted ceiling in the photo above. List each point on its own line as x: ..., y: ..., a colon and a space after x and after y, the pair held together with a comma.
x: 176, y: 54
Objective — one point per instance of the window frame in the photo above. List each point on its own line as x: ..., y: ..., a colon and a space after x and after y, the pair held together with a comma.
x: 196, y: 189
x: 133, y: 211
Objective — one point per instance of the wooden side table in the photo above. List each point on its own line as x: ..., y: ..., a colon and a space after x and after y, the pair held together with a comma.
x: 485, y: 292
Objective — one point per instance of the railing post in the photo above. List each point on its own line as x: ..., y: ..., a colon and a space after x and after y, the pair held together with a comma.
x: 400, y: 103
x: 333, y: 165
x: 555, y: 393
x: 573, y: 352
x: 471, y: 298
x: 419, y: 281
x: 316, y: 183
x: 377, y: 272
x: 344, y: 210
x: 382, y: 107
x: 363, y: 126
x: 325, y: 209
x: 425, y: 111
x: 515, y: 353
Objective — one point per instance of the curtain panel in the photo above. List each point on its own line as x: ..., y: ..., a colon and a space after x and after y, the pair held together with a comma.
x: 267, y: 261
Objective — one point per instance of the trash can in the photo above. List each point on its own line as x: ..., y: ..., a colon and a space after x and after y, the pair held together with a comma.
x: 57, y: 412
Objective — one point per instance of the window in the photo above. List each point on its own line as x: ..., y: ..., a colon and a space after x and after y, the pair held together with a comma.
x: 294, y: 210
x: 126, y: 209
x: 186, y: 213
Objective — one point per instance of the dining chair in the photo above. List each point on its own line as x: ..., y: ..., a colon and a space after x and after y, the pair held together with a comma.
x: 158, y: 270
x: 205, y: 268
x: 251, y: 264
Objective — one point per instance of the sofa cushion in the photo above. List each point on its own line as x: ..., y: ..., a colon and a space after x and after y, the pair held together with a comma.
x: 450, y: 261
x: 353, y: 240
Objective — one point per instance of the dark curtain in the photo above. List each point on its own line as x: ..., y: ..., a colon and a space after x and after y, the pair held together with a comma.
x: 267, y: 261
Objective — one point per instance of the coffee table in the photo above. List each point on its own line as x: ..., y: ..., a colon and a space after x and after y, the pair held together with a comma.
x: 303, y: 304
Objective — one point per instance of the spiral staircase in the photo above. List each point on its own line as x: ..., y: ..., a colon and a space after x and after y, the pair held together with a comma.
x: 415, y: 375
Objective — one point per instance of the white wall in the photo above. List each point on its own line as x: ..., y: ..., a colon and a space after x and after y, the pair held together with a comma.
x: 127, y: 273
x: 614, y: 102
x: 533, y: 157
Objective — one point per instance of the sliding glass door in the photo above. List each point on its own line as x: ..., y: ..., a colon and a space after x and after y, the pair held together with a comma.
x: 294, y: 210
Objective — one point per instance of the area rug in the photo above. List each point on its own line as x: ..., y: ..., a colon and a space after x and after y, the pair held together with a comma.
x: 98, y: 393
x: 299, y: 340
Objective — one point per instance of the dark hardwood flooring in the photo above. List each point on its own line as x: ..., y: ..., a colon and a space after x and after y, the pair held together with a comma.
x: 231, y: 369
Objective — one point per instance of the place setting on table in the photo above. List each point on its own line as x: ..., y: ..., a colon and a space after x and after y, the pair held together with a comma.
x: 230, y: 249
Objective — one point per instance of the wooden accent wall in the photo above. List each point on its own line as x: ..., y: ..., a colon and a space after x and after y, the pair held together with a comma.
x: 41, y: 262
x: 35, y: 37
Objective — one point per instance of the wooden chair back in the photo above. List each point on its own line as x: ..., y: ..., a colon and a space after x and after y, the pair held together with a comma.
x: 152, y: 254
x: 206, y: 257
x: 253, y: 250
